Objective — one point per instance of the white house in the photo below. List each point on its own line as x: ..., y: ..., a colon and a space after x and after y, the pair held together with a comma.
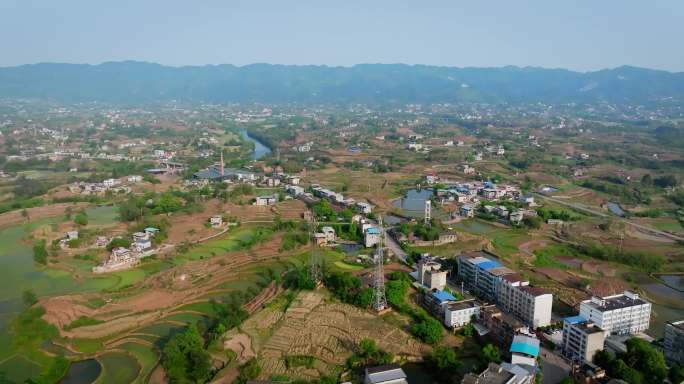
x: 329, y: 233
x: 266, y: 200
x: 458, y: 314
x: 371, y: 236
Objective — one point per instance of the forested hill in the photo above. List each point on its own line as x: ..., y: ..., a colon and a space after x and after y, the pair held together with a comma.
x: 134, y: 82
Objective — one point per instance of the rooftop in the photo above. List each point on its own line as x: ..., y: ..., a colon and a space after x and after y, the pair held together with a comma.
x: 611, y: 303
x: 494, y: 374
x: 443, y: 296
x: 677, y: 324
x: 385, y: 373
x: 373, y: 231
x: 534, y: 291
x: 463, y: 304
x: 526, y: 345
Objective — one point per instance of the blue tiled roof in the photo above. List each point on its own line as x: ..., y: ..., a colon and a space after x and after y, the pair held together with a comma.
x: 575, y: 319
x: 525, y: 345
x: 489, y: 265
x: 443, y: 296
x: 373, y: 231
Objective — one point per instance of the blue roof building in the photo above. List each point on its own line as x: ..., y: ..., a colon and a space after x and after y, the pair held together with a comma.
x: 524, y: 350
x: 443, y: 296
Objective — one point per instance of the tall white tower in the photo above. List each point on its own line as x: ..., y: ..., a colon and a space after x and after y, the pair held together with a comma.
x: 428, y: 212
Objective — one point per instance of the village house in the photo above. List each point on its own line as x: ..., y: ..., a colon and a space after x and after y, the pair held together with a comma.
x: 266, y: 200
x: 329, y: 233
x: 216, y: 221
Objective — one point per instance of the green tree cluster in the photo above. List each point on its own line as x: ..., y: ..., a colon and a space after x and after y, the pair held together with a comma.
x: 641, y: 364
x: 184, y: 358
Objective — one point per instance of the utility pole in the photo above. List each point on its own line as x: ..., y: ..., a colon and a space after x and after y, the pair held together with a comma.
x: 379, y: 299
x: 314, y: 259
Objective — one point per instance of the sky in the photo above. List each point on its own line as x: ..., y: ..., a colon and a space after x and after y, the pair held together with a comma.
x: 582, y: 35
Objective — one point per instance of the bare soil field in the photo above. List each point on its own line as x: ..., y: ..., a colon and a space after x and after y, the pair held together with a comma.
x: 8, y: 219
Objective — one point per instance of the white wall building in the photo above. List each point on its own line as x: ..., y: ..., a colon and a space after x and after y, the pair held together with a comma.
x: 581, y: 339
x: 531, y: 305
x: 458, y: 314
x: 621, y: 314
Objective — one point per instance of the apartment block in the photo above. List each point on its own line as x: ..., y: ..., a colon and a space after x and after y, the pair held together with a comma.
x: 621, y: 314
x: 532, y: 305
x: 581, y: 339
x: 674, y: 342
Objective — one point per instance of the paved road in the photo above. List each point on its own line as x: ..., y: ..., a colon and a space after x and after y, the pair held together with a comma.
x: 582, y: 208
x: 392, y: 244
x: 555, y: 368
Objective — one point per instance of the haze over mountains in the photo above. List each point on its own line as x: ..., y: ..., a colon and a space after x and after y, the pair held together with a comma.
x: 134, y: 82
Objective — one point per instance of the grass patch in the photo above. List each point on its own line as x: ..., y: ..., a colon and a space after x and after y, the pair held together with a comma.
x: 95, y: 303
x: 82, y: 321
x: 348, y: 267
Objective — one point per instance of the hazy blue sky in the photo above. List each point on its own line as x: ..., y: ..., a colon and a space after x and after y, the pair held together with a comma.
x: 576, y: 34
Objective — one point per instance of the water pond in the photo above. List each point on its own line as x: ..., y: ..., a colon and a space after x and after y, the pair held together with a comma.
x: 82, y: 372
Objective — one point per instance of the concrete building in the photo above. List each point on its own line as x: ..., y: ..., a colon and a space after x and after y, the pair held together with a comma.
x: 500, y: 374
x: 457, y: 315
x: 266, y: 200
x: 674, y: 342
x: 524, y: 350
x: 581, y: 339
x: 371, y: 237
x: 621, y: 314
x: 531, y: 305
x: 385, y: 374
x: 480, y: 274
x: 216, y: 221
x: 436, y: 301
x: 329, y: 233
x: 430, y: 275
x: 364, y: 207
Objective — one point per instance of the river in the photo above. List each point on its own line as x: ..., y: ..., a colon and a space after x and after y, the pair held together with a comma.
x: 260, y: 150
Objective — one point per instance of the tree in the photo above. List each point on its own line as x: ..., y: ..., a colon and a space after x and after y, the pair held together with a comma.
x: 428, y: 329
x: 445, y: 360
x: 118, y: 242
x: 249, y: 371
x: 25, y: 214
x: 185, y: 359
x: 29, y: 297
x: 491, y: 353
x: 40, y: 254
x: 81, y: 218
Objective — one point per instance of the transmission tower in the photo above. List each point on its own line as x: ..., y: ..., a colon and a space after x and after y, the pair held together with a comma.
x: 428, y: 212
x: 314, y: 258
x: 379, y: 299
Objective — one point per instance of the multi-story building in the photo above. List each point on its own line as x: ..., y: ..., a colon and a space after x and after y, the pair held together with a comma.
x: 480, y: 273
x: 458, y: 314
x: 501, y: 327
x: 531, y: 305
x: 491, y: 281
x: 621, y: 314
x: 674, y: 342
x: 430, y: 273
x: 581, y: 339
x: 371, y: 236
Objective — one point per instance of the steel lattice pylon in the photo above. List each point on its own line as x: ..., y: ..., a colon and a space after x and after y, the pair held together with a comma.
x: 314, y: 258
x: 379, y: 299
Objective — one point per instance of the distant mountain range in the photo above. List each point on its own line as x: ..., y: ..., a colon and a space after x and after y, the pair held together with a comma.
x: 136, y: 82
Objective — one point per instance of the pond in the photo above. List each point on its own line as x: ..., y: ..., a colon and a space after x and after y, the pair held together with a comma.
x: 260, y: 150
x: 350, y: 248
x: 413, y: 203
x: 668, y: 302
x: 82, y: 372
x: 474, y: 226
